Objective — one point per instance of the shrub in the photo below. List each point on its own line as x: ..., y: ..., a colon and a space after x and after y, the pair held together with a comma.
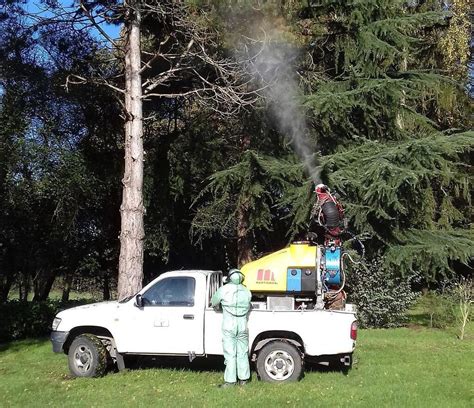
x: 382, y: 296
x: 439, y: 308
x: 463, y: 293
x: 19, y: 320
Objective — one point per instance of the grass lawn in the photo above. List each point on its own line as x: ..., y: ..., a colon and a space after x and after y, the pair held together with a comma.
x: 406, y: 367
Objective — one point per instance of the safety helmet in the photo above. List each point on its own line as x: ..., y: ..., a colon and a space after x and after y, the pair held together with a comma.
x: 235, y: 276
x: 321, y: 188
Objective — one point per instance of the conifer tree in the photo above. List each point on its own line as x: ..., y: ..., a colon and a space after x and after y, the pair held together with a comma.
x: 378, y: 113
x: 240, y: 200
x: 389, y: 125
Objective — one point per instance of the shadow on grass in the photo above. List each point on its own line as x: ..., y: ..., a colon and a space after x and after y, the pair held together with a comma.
x: 320, y: 368
x: 16, y: 346
x: 419, y: 319
x: 199, y: 364
x: 210, y: 364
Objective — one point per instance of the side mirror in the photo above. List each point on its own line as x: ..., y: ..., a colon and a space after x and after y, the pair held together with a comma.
x: 138, y: 301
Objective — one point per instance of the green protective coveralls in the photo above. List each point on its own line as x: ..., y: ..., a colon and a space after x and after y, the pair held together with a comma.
x: 235, y: 300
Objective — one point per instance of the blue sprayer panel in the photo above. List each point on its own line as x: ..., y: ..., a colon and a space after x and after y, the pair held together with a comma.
x: 293, y: 282
x: 333, y: 266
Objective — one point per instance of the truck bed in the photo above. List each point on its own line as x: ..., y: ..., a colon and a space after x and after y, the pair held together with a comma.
x: 322, y: 331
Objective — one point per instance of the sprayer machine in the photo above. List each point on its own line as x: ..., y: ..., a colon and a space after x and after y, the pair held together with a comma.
x: 301, y: 276
x: 305, y: 275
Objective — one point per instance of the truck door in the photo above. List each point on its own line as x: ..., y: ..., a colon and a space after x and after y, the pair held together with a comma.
x: 171, y: 320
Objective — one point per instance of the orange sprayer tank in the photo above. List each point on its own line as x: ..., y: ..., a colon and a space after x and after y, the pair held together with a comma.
x: 292, y: 269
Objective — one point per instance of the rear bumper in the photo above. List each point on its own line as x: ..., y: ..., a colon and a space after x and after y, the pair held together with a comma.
x: 58, y: 338
x: 343, y: 360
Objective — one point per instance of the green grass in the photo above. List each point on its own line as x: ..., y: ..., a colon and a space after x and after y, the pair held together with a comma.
x: 404, y: 367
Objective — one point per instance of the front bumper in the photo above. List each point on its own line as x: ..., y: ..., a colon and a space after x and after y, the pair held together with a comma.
x: 58, y: 338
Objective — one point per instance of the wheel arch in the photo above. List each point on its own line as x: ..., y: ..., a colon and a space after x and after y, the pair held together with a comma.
x: 271, y: 335
x: 98, y: 331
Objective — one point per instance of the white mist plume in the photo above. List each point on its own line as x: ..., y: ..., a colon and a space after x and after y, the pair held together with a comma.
x: 272, y: 67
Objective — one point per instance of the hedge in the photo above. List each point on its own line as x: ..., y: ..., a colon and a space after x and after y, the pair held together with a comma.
x: 19, y: 320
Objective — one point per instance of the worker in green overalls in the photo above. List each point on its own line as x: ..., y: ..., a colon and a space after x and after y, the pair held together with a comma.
x: 235, y: 300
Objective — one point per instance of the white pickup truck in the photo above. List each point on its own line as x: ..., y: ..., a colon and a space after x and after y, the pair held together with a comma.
x: 172, y: 316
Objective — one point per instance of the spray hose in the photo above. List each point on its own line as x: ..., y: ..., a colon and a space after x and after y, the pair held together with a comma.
x: 333, y: 294
x: 350, y: 257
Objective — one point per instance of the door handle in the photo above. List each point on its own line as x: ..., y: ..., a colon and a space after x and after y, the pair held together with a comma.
x: 188, y: 317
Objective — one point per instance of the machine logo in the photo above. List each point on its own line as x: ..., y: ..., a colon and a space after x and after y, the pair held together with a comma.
x: 266, y: 276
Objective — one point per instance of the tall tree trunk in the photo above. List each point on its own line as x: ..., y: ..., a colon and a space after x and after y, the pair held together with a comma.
x: 20, y: 291
x: 5, y: 286
x: 67, y: 287
x: 24, y: 286
x: 132, y: 231
x: 244, y: 241
x: 106, y: 286
x: 43, y: 284
x: 7, y: 268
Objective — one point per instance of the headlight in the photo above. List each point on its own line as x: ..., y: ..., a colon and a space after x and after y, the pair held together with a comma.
x: 56, y: 322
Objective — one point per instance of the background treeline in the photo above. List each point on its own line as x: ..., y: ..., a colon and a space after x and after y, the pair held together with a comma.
x: 385, y: 92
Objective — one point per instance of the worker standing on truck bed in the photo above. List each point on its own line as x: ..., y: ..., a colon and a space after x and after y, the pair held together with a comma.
x: 235, y: 300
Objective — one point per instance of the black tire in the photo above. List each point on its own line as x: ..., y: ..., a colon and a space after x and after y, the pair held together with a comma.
x: 279, y: 362
x: 87, y: 357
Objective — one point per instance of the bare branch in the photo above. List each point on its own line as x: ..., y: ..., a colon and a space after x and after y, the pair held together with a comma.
x: 74, y: 79
x: 155, y: 56
x: 97, y: 26
x: 167, y: 75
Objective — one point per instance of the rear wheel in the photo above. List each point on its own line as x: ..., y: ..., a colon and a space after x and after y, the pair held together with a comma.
x: 87, y: 356
x: 278, y: 362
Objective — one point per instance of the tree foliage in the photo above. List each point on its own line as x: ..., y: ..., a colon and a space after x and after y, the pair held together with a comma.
x: 382, y: 86
x: 382, y: 115
x: 378, y: 114
x: 52, y: 188
x: 254, y: 183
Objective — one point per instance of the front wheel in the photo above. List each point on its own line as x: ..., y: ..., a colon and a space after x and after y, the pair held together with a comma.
x: 87, y: 356
x: 279, y: 362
